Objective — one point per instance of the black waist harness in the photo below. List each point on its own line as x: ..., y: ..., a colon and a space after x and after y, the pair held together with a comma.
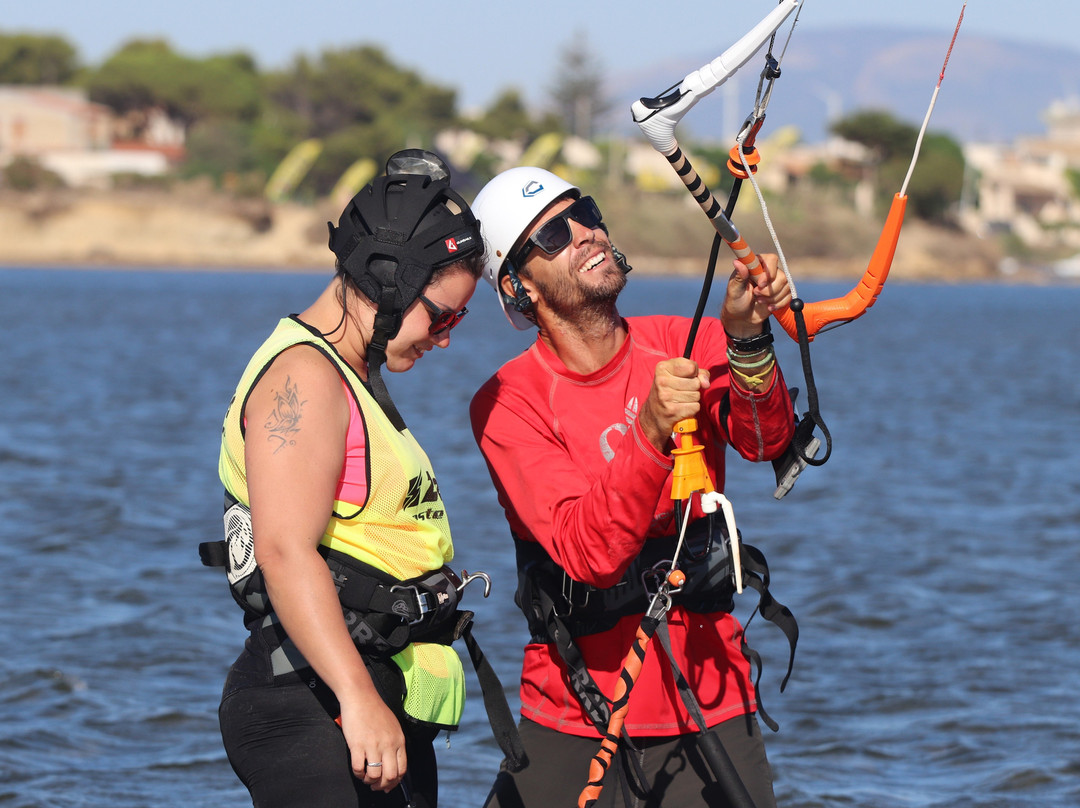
x: 559, y: 609
x: 383, y: 615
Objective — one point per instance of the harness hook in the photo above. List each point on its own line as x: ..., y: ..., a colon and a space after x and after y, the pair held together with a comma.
x: 467, y: 579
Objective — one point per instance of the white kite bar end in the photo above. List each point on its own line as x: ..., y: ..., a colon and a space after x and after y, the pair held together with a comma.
x: 720, y: 69
x: 657, y: 117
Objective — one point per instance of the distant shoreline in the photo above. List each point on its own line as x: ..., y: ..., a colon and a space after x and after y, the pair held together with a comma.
x: 1027, y: 275
x: 193, y: 232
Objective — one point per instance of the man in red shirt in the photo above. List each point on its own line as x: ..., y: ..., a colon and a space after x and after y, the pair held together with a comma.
x: 577, y: 432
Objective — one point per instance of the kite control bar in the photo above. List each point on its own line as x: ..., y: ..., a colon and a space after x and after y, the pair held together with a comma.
x: 657, y: 118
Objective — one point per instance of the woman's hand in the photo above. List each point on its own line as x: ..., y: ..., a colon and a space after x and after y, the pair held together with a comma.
x: 376, y: 742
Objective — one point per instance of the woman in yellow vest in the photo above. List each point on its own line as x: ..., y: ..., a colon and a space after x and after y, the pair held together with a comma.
x: 336, y: 536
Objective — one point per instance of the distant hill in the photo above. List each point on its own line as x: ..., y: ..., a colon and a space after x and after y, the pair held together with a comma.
x: 994, y: 89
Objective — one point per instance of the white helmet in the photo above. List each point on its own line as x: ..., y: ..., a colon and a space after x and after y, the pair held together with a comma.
x: 506, y: 207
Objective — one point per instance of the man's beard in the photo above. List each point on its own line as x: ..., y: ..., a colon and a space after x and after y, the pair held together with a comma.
x: 571, y: 300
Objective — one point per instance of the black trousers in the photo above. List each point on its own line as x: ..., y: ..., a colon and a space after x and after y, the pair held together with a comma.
x: 284, y: 745
x: 674, y: 767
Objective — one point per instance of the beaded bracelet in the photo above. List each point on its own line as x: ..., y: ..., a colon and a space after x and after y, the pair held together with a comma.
x: 736, y: 359
x: 754, y: 381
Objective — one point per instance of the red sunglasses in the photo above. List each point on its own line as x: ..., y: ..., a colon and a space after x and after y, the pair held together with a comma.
x: 441, y: 319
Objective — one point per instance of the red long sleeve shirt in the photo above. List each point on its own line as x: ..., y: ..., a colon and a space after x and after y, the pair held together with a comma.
x: 574, y: 472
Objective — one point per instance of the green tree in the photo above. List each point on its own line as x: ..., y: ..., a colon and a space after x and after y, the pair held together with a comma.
x: 508, y: 118
x: 225, y: 86
x: 358, y: 86
x: 222, y: 148
x: 149, y: 74
x: 1073, y: 176
x: 937, y: 180
x: 879, y: 131
x: 27, y: 174
x: 33, y: 59
x: 360, y: 104
x: 578, y: 91
x: 938, y: 177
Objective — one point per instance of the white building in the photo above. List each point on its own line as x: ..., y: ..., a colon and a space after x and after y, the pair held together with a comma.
x: 76, y: 138
x: 1024, y: 188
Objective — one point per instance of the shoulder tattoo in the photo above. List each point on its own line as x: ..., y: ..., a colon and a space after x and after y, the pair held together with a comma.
x: 284, y: 420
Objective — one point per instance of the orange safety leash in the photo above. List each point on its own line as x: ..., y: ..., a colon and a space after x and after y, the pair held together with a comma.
x: 635, y: 658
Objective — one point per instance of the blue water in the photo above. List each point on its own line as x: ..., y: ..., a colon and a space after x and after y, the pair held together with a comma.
x: 932, y: 562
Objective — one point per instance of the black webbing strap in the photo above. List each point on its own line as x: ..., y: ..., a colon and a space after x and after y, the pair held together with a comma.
x: 377, y: 388
x: 503, y: 725
x: 663, y: 636
x: 757, y: 577
x: 592, y: 699
x: 214, y: 553
x: 385, y: 324
x: 586, y: 689
x: 713, y: 750
x: 813, y: 412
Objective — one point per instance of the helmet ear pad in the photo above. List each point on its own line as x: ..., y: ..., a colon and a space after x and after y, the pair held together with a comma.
x: 620, y: 258
x: 520, y: 299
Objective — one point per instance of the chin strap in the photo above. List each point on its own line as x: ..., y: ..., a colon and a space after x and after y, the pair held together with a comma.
x: 385, y: 327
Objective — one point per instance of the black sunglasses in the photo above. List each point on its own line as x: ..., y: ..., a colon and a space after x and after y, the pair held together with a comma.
x: 441, y: 319
x: 554, y: 234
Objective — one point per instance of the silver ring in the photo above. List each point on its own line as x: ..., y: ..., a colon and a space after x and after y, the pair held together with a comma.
x: 372, y: 765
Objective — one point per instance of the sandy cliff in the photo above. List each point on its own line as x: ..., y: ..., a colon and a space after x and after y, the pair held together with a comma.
x: 159, y: 230
x: 196, y: 230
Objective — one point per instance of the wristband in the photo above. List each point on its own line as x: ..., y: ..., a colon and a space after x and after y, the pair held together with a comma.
x: 758, y: 342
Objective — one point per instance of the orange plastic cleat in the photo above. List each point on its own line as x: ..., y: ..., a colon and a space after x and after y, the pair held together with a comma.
x: 690, y: 474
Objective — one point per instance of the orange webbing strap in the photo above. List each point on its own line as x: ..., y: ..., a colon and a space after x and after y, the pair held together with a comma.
x: 609, y: 746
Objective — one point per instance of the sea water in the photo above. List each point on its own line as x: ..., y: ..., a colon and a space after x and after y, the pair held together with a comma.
x: 932, y: 562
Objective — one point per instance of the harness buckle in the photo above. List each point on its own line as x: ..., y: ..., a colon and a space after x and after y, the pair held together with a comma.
x: 568, y: 587
x: 653, y: 578
x: 423, y: 604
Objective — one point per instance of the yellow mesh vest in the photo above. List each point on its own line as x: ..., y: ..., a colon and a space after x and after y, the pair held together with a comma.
x: 402, y: 529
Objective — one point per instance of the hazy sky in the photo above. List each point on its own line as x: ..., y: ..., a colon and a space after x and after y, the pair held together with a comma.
x: 480, y: 47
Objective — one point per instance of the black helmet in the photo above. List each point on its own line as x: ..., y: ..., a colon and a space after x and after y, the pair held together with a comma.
x: 391, y: 238
x: 398, y: 229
